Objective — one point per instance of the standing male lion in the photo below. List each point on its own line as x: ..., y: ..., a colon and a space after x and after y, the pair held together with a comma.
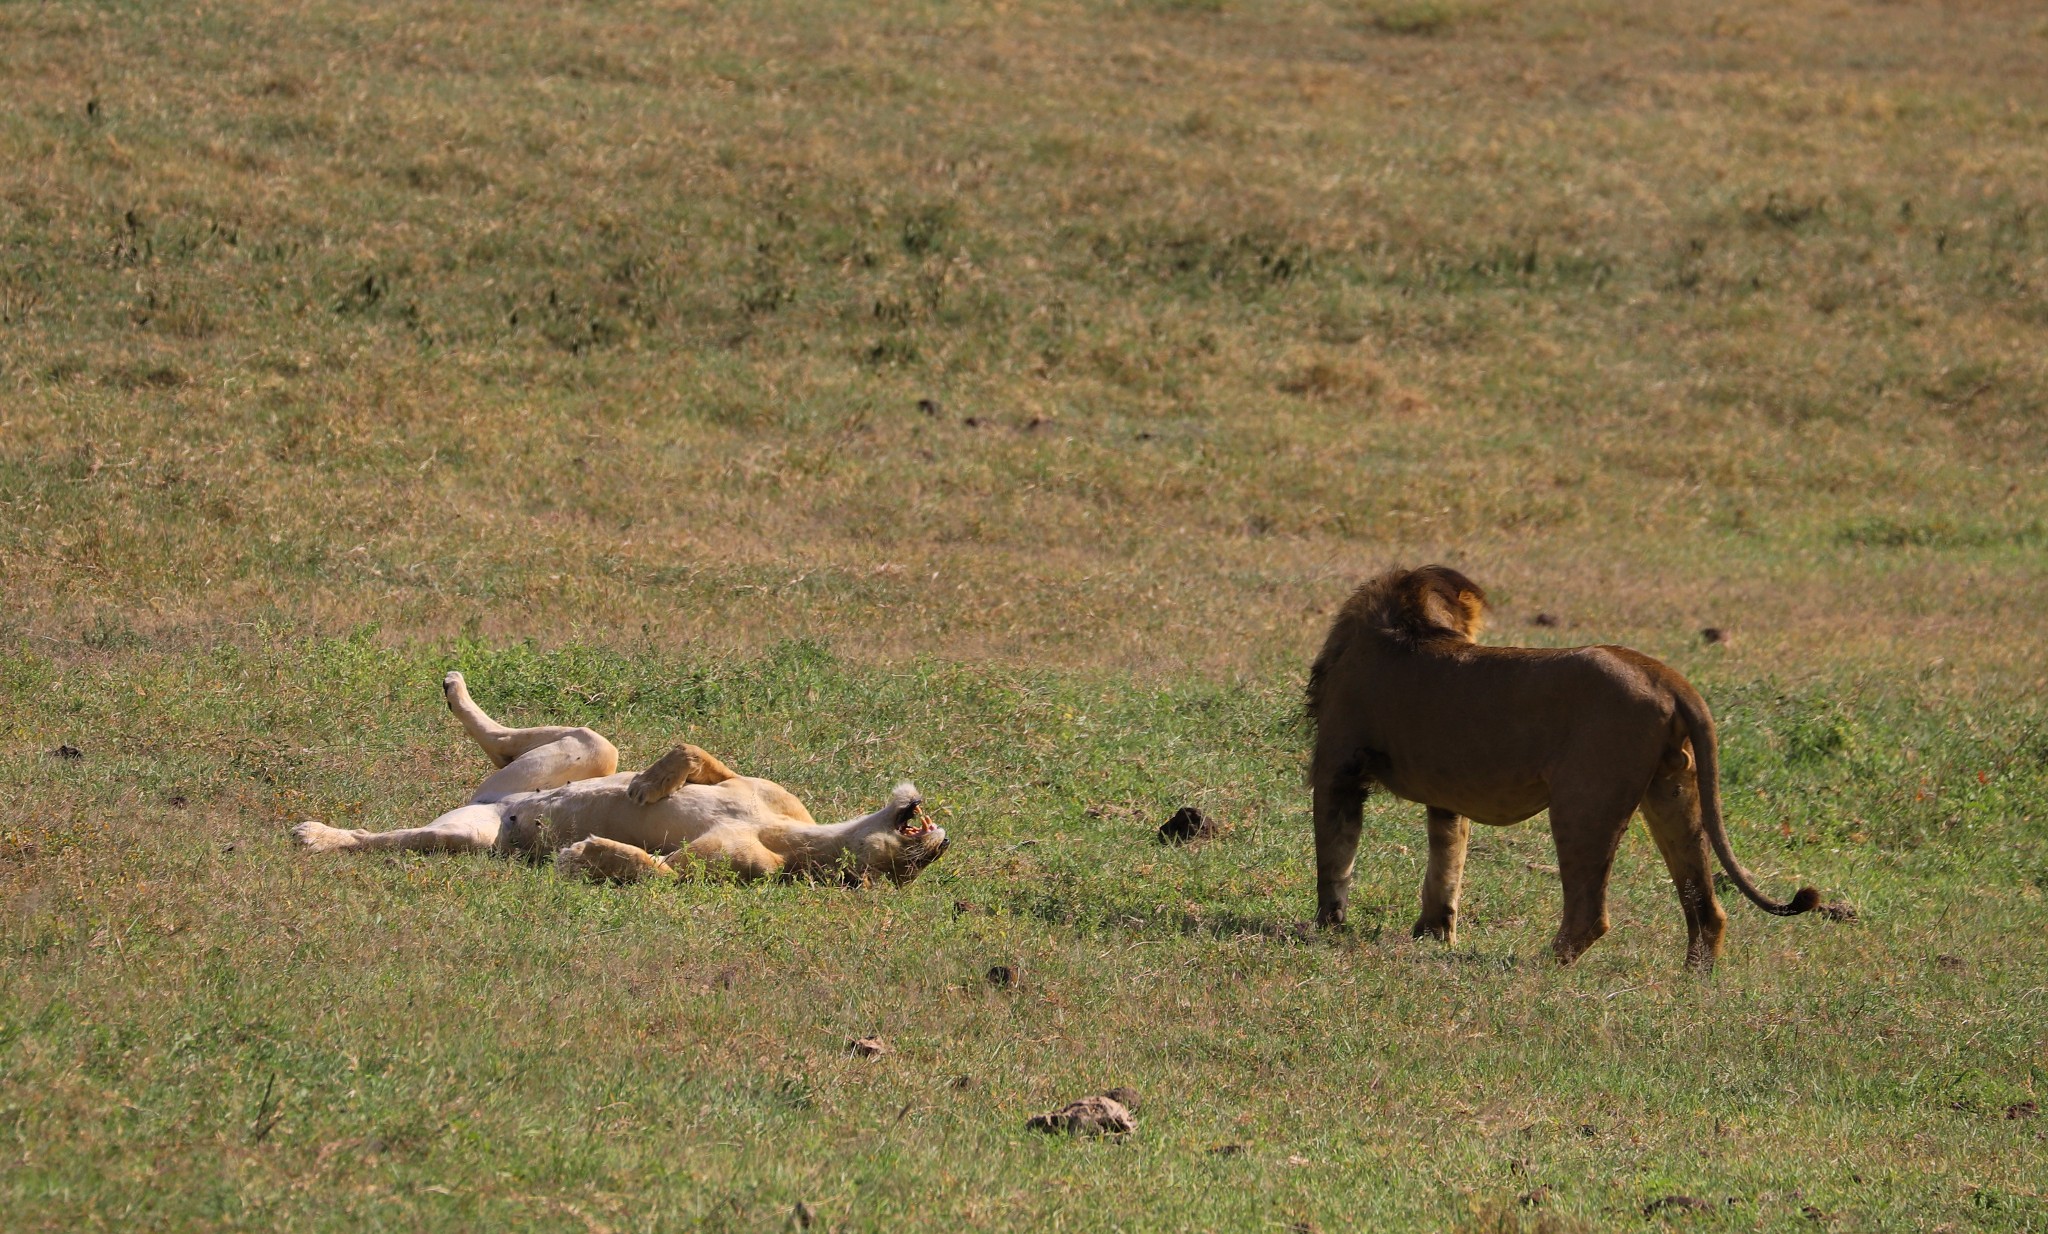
x: 1402, y: 696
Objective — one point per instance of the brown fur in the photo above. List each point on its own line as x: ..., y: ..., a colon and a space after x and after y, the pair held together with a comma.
x: 1403, y: 697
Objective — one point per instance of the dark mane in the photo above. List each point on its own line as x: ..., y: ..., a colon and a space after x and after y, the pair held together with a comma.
x: 1407, y: 608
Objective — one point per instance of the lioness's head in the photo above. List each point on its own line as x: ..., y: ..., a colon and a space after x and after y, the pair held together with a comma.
x: 896, y: 842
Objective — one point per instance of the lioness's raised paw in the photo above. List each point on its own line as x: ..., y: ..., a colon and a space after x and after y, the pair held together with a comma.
x: 670, y: 772
x: 320, y: 838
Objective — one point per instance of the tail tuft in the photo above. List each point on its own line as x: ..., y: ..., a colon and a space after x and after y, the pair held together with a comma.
x: 1805, y: 902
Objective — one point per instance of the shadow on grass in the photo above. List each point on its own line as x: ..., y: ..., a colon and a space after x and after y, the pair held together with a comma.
x: 1222, y: 923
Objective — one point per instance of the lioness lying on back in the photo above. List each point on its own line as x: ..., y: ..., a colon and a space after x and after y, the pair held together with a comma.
x: 561, y: 786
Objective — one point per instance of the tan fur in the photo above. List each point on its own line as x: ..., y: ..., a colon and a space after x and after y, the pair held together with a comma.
x: 560, y: 788
x: 686, y: 764
x: 1403, y: 697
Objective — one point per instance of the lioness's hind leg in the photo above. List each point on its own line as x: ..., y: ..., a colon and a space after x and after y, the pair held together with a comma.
x: 1448, y: 836
x: 500, y: 744
x: 465, y: 829
x: 576, y: 754
x: 1672, y: 810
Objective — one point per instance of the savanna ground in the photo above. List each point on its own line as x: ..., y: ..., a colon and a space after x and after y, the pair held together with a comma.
x: 1004, y: 396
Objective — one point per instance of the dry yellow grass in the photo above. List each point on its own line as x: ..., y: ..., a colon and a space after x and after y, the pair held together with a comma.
x: 579, y: 320
x: 1058, y: 367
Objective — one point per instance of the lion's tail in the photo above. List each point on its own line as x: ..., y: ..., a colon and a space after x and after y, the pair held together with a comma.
x: 1700, y: 726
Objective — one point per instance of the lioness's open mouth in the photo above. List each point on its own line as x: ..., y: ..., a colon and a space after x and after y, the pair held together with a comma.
x: 915, y: 822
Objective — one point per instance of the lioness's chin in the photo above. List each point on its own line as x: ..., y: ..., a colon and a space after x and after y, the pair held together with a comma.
x: 928, y: 847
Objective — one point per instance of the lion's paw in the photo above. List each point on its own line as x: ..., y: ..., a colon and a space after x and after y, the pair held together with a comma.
x: 320, y: 838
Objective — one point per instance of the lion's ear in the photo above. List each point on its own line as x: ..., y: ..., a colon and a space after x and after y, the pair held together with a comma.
x: 1440, y: 600
x: 1474, y: 606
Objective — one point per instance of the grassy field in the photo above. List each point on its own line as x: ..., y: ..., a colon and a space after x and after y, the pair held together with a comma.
x: 1004, y: 396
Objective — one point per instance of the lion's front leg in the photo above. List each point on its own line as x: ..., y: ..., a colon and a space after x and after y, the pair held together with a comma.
x: 608, y: 861
x: 686, y: 764
x: 1448, y: 837
x: 1340, y: 816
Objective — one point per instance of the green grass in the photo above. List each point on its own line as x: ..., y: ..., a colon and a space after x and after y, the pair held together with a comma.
x: 206, y: 1029
x: 1005, y: 398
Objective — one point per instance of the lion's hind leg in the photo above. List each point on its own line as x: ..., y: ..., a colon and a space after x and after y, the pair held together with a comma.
x: 686, y: 764
x: 504, y: 746
x: 1672, y: 810
x: 465, y: 829
x: 1587, y: 826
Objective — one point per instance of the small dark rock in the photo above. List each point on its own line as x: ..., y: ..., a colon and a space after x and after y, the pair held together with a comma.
x: 1675, y: 1203
x: 1103, y: 1115
x: 1002, y: 976
x: 1837, y: 910
x: 1712, y: 635
x: 67, y: 752
x: 1145, y: 436
x: 929, y: 406
x: 867, y: 1047
x: 1543, y: 619
x: 1186, y: 826
x: 2024, y: 1109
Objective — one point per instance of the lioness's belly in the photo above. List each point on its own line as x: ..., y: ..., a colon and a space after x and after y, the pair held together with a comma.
x: 601, y: 808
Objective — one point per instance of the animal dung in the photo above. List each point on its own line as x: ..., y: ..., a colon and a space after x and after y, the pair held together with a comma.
x: 1674, y: 1203
x: 1186, y: 826
x: 67, y: 752
x: 1543, y: 619
x: 867, y: 1047
x: 1712, y: 635
x: 1094, y: 1116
